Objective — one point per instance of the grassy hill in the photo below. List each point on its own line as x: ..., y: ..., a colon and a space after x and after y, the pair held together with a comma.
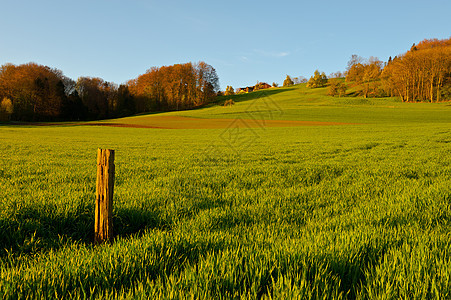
x: 360, y: 209
x: 305, y: 104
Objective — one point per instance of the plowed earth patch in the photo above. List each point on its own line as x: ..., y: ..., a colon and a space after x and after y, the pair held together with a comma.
x: 177, y: 122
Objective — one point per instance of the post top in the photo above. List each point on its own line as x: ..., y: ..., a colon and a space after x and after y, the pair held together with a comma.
x: 104, y: 156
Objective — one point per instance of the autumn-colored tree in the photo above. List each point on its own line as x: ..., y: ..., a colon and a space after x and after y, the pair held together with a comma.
x: 261, y: 86
x: 41, y: 93
x: 288, y: 81
x: 342, y: 89
x: 365, y: 74
x: 317, y: 80
x: 6, y: 109
x: 371, y: 77
x: 229, y: 102
x: 421, y: 74
x: 433, y: 43
x: 229, y: 91
x: 36, y: 91
x: 337, y: 74
x: 333, y: 87
x: 354, y: 60
x: 355, y: 69
x: 174, y: 87
x: 337, y: 87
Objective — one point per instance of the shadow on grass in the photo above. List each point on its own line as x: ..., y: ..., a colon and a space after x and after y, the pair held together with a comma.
x: 252, y: 96
x: 351, y: 271
x: 320, y: 272
x: 192, y: 256
x: 34, y: 229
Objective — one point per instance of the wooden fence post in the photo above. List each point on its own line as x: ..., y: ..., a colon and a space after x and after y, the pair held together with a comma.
x: 103, y: 230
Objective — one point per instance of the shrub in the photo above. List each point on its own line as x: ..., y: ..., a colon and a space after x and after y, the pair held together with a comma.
x: 229, y: 102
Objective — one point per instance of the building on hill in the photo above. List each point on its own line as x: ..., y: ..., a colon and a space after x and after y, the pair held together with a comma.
x: 262, y: 86
x: 247, y: 89
x: 258, y: 86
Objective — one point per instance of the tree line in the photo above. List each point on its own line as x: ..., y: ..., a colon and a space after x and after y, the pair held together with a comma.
x: 177, y: 87
x: 33, y: 92
x: 366, y: 74
x: 422, y: 74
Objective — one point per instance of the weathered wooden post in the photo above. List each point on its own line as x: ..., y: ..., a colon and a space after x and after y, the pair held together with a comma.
x: 103, y: 230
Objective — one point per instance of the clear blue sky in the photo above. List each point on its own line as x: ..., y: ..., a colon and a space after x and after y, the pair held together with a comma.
x: 245, y: 41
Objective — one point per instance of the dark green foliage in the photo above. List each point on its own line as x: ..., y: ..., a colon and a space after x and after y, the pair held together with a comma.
x: 126, y: 104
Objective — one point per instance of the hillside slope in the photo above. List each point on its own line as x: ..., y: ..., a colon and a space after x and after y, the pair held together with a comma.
x: 299, y: 103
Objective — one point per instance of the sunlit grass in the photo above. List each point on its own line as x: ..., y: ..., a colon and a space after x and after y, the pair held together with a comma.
x: 352, y: 211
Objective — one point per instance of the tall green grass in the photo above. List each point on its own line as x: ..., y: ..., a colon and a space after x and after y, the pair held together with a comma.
x: 338, y: 212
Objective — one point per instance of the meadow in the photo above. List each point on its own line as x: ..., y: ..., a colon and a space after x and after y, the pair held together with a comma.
x: 360, y: 210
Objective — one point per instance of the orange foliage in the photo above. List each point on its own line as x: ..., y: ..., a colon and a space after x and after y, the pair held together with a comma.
x: 39, y: 93
x: 180, y: 86
x: 365, y: 73
x: 36, y: 91
x: 433, y: 43
x: 421, y: 74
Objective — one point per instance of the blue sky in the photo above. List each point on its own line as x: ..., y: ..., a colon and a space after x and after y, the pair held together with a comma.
x: 244, y: 41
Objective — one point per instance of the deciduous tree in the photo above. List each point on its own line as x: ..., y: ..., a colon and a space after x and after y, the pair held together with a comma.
x: 174, y: 87
x: 337, y: 87
x: 365, y: 74
x: 229, y: 91
x: 421, y: 74
x: 36, y: 91
x: 317, y: 80
x: 288, y: 81
x: 6, y: 109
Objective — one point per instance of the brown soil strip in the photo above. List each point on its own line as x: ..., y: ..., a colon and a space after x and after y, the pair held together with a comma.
x: 177, y: 122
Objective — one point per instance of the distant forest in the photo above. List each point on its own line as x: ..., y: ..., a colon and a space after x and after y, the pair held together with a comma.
x: 422, y: 74
x: 32, y: 92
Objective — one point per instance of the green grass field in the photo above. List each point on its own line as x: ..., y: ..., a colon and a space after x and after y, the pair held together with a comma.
x: 331, y: 212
